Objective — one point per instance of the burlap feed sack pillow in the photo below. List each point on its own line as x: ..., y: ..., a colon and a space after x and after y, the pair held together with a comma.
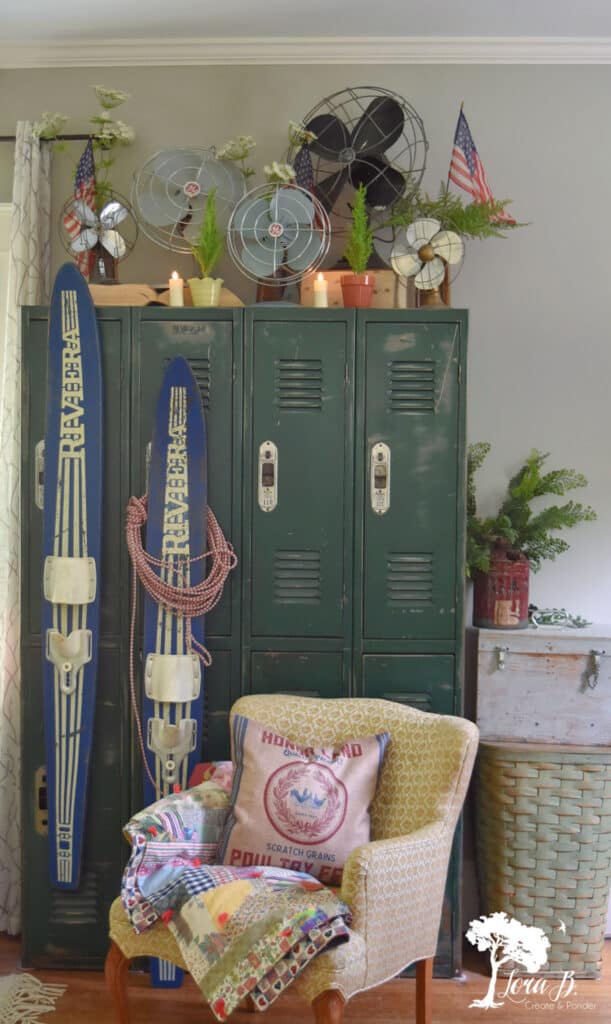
x: 299, y: 807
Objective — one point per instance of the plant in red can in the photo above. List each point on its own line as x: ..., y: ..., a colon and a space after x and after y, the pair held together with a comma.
x: 501, y: 549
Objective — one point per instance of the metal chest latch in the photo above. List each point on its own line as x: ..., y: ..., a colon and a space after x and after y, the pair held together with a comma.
x: 500, y: 657
x: 593, y: 672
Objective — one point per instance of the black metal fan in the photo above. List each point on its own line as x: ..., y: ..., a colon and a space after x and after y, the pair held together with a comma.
x: 364, y: 136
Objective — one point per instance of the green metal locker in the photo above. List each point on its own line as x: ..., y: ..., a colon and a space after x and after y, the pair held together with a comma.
x: 59, y: 927
x: 298, y: 444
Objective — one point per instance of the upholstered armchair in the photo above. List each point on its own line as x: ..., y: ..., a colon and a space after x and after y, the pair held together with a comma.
x: 395, y: 882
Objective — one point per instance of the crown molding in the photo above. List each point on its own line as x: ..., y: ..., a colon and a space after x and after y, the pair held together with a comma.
x: 308, y: 50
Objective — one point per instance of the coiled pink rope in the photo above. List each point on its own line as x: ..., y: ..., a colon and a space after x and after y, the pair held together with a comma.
x: 186, y: 601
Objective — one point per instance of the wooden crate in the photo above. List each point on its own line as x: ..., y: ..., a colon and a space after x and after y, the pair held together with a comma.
x: 544, y: 685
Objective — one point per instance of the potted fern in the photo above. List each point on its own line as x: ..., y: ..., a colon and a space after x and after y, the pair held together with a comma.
x: 502, y: 549
x: 206, y: 290
x: 357, y: 287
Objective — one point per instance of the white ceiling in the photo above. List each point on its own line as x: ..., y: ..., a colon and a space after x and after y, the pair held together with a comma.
x: 25, y: 21
x: 52, y: 32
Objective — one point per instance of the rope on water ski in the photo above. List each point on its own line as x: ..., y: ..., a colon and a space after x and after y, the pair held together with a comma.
x: 176, y: 597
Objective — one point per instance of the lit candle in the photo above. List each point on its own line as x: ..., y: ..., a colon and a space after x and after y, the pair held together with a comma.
x: 321, y: 295
x: 177, y: 297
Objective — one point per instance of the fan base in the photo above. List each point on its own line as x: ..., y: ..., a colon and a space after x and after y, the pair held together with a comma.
x: 103, y: 267
x: 431, y: 297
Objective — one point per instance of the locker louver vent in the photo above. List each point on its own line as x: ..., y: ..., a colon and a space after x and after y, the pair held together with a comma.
x: 410, y: 579
x: 298, y: 384
x: 201, y: 371
x: 76, y: 908
x: 297, y: 577
x: 411, y: 386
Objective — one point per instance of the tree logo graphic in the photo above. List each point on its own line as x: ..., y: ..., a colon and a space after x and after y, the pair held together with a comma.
x: 507, y: 939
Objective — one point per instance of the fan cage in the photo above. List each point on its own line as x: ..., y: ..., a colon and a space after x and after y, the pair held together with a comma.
x: 319, y: 227
x: 127, y: 228
x: 406, y: 155
x: 162, y: 187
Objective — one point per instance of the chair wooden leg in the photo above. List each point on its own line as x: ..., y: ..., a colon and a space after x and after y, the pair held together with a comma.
x: 115, y: 971
x: 329, y: 1007
x: 424, y: 991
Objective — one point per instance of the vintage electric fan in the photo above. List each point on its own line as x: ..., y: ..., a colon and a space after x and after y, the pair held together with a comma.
x: 425, y: 251
x: 108, y: 235
x: 169, y: 194
x: 367, y: 136
x: 278, y: 233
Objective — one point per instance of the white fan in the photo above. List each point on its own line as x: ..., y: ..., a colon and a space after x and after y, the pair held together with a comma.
x: 423, y: 251
x: 169, y: 194
x: 278, y: 233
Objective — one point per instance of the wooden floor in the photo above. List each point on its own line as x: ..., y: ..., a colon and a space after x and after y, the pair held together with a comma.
x: 85, y: 1000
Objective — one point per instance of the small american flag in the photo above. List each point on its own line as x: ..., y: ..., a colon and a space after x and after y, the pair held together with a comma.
x: 466, y: 169
x: 84, y: 191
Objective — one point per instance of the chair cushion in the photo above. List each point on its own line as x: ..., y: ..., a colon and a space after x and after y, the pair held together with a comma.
x: 298, y: 806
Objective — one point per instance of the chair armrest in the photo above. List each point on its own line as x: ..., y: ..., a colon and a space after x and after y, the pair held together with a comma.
x: 395, y: 888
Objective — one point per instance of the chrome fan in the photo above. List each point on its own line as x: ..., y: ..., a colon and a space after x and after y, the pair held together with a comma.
x: 97, y: 240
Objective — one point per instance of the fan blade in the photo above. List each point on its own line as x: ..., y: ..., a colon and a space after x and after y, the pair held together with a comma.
x: 431, y: 275
x: 112, y: 214
x: 421, y: 231
x: 85, y: 241
x: 328, y: 190
x: 83, y: 213
x: 291, y: 207
x: 262, y: 260
x: 302, y: 253
x: 159, y: 206
x: 404, y: 263
x: 449, y: 246
x: 251, y: 217
x: 378, y: 127
x: 384, y: 184
x: 114, y: 243
x: 331, y: 136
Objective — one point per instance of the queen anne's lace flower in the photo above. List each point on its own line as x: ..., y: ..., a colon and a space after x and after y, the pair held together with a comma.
x: 49, y: 126
x: 109, y: 98
x: 275, y: 171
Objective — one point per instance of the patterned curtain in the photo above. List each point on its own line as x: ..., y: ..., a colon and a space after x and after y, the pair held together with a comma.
x: 28, y: 284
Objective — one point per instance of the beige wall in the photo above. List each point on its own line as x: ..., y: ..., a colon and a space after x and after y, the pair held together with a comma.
x: 540, y: 345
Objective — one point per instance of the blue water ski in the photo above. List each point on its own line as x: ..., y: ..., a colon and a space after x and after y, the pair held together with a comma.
x: 173, y: 684
x: 71, y: 565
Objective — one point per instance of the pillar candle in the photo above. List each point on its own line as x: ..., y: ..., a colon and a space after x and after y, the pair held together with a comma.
x: 177, y: 285
x: 321, y: 293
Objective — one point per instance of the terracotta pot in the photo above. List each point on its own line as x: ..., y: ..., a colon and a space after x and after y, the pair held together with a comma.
x: 205, y: 291
x: 357, y: 290
x: 500, y: 596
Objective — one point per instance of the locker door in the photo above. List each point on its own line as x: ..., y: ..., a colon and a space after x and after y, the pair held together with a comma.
x: 410, y: 452
x: 210, y: 340
x: 300, y: 436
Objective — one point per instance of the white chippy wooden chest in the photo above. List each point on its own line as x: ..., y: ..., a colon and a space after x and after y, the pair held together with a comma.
x: 544, y: 685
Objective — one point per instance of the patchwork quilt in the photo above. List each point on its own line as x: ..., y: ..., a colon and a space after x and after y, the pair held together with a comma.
x: 242, y: 931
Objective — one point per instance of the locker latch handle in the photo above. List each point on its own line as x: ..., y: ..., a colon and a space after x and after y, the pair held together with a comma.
x: 39, y: 475
x: 379, y: 478
x: 268, y: 476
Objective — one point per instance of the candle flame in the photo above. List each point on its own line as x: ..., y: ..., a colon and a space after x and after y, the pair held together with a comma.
x: 320, y: 277
x: 175, y: 275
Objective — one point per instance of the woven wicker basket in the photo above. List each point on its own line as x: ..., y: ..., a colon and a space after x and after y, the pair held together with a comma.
x: 544, y: 845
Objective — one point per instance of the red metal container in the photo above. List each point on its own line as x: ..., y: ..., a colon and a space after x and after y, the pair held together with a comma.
x: 500, y: 596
